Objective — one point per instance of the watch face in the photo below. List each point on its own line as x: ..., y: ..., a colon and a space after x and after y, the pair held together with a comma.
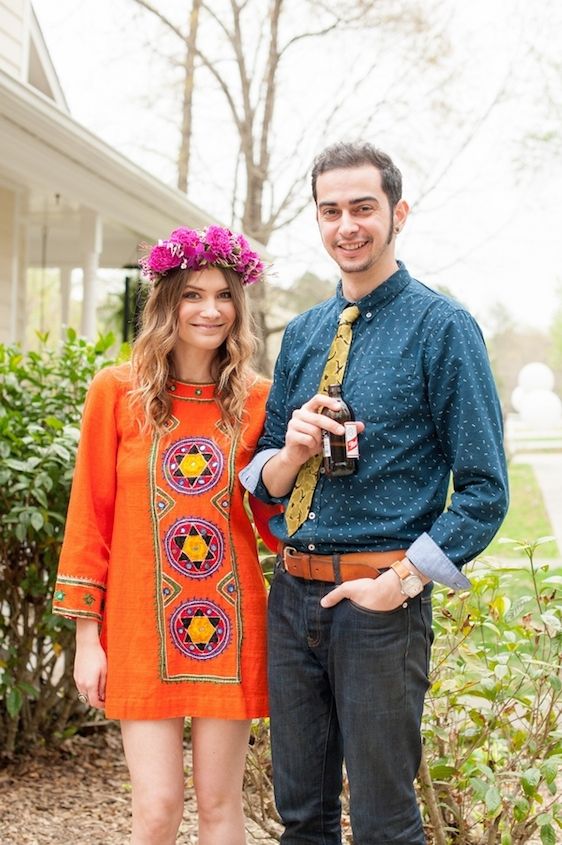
x: 412, y: 586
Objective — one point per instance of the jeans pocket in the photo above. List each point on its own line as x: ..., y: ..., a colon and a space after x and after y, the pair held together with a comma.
x: 371, y: 612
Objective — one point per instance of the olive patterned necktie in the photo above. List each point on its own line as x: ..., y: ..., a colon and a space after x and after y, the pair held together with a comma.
x: 300, y: 500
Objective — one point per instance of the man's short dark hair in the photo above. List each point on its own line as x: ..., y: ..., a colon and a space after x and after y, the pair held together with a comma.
x: 356, y: 154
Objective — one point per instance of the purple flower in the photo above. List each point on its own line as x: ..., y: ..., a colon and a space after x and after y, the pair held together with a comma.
x: 185, y: 237
x: 161, y: 258
x: 241, y: 241
x: 218, y: 242
x: 196, y: 257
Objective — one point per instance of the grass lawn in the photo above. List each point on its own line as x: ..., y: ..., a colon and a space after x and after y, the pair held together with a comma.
x: 527, y: 518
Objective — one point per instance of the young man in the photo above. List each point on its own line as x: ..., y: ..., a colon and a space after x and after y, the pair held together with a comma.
x: 350, y: 605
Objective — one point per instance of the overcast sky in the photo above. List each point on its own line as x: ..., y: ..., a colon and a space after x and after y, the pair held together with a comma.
x: 489, y: 231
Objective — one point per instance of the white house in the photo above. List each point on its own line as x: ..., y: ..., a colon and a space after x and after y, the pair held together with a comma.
x: 67, y: 199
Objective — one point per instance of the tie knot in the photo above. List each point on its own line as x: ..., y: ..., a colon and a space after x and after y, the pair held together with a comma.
x: 349, y: 314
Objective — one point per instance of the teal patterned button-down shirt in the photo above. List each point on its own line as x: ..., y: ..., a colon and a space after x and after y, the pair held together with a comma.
x: 418, y: 376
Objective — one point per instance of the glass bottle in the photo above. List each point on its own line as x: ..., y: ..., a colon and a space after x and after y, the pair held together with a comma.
x: 340, y: 451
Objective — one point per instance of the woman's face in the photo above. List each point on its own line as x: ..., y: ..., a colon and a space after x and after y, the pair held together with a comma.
x: 206, y: 312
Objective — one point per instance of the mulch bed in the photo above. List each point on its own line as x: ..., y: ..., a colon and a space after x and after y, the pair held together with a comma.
x: 81, y: 793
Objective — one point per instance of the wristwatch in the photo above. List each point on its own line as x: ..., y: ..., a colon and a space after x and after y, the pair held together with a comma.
x: 410, y: 584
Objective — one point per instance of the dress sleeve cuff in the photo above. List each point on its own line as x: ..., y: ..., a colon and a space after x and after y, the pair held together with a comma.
x: 432, y: 561
x: 78, y: 598
x: 250, y: 476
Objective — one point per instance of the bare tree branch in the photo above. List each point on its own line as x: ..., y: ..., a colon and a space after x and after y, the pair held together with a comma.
x: 460, y: 148
x: 318, y: 34
x: 209, y: 65
x: 157, y: 13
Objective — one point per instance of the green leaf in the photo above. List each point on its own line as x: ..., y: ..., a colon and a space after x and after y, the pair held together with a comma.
x: 521, y: 809
x: 14, y: 702
x: 530, y: 780
x: 493, y: 800
x: 37, y: 520
x: 555, y: 682
x: 28, y: 689
x: 543, y: 818
x: 442, y: 771
x: 548, y: 836
x: 104, y: 343
x: 551, y: 621
x: 40, y: 496
x: 517, y: 607
x: 61, y: 451
x: 19, y: 466
x: 20, y: 531
x: 479, y: 788
x: 549, y: 770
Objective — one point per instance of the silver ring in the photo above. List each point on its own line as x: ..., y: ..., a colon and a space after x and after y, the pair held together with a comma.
x: 83, y: 698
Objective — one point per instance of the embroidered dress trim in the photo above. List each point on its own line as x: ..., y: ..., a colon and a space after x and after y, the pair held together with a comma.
x: 79, y: 597
x: 196, y: 578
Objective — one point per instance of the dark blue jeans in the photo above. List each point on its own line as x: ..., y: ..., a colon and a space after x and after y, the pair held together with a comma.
x: 346, y: 682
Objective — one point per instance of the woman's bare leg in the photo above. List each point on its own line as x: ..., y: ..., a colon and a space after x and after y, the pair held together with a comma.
x: 219, y: 755
x: 154, y: 754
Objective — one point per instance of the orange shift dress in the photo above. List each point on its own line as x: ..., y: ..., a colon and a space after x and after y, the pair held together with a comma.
x: 158, y: 547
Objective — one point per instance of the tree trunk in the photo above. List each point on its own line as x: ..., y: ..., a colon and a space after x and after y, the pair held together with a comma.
x: 184, y: 153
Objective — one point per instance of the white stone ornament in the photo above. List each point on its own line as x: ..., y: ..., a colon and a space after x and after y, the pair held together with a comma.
x: 536, y: 376
x: 533, y: 398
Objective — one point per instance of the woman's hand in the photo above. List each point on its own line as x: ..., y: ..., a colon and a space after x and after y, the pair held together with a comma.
x: 90, y: 663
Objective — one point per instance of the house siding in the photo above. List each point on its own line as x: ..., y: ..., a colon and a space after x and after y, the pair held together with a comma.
x: 13, y: 15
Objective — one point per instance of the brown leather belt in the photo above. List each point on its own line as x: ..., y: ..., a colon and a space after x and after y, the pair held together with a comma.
x: 336, y: 568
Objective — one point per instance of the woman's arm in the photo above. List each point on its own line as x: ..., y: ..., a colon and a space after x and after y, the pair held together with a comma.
x: 90, y: 662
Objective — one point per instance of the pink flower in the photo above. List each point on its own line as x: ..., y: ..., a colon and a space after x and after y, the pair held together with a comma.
x: 161, y: 259
x: 241, y: 241
x: 218, y: 242
x: 186, y: 237
x: 196, y: 256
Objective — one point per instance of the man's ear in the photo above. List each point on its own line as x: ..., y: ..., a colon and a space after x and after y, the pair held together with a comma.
x: 401, y: 211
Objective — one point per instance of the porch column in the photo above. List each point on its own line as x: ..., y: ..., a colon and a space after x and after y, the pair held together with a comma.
x: 91, y: 241
x: 65, y: 278
x: 13, y: 264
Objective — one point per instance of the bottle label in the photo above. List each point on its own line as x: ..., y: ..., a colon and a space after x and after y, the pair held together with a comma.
x: 326, y: 449
x: 351, y: 440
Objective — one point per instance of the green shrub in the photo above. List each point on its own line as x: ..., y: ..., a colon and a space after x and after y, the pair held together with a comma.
x: 492, y: 725
x: 41, y: 398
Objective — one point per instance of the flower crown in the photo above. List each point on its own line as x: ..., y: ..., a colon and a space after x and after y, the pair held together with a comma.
x: 192, y: 249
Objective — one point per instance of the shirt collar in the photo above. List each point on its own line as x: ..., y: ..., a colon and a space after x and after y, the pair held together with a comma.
x: 374, y: 301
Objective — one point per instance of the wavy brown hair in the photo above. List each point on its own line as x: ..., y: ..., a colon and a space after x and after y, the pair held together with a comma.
x: 152, y: 359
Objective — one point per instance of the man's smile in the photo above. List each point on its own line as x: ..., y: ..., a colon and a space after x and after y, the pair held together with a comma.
x: 351, y: 247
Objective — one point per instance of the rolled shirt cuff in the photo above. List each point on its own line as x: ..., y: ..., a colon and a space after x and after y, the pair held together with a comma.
x: 432, y: 562
x: 250, y: 476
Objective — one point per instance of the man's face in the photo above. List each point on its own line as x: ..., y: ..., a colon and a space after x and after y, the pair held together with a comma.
x: 355, y: 220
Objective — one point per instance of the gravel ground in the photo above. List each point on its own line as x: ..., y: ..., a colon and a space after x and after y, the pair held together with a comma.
x: 81, y: 794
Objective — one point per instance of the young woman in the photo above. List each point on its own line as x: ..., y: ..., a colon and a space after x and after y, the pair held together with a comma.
x: 159, y: 565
